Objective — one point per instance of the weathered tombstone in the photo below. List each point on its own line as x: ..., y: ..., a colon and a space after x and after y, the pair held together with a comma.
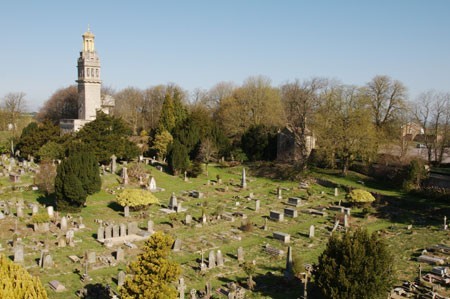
x: 62, y: 242
x: 50, y: 211
x: 63, y: 223
x: 132, y: 228
x: 265, y: 224
x: 120, y: 254
x: 243, y: 179
x: 181, y: 288
x: 101, y: 233
x: 179, y: 209
x: 346, y: 220
x: 34, y: 209
x: 70, y: 234
x: 176, y: 245
x: 257, y: 205
x: 121, y: 278
x: 188, y: 219
x: 116, y: 231
x: 311, y: 231
x: 207, y: 290
x: 152, y: 184
x: 113, y: 163
x: 173, y: 203
x: 126, y: 211
x: 336, y: 192
x: 19, y: 211
x: 18, y: 253
x: 193, y: 294
x: 289, y: 212
x: 240, y: 254
x: 294, y: 201
x: 108, y: 232
x: 91, y: 257
x: 211, y: 260
x: 150, y: 225
x: 276, y: 216
x: 289, y: 273
x: 123, y: 229
x: 47, y: 261
x: 125, y: 175
x: 219, y: 258
x: 279, y: 196
x: 285, y: 238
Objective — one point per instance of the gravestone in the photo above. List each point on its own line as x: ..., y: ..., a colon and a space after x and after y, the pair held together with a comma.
x: 113, y: 163
x: 126, y: 211
x: 211, y: 260
x: 108, y: 232
x: 46, y: 260
x: 91, y: 257
x: 62, y: 242
x: 121, y: 278
x: 243, y: 179
x: 185, y: 177
x: 150, y: 225
x: 193, y: 294
x: 19, y: 211
x: 346, y: 221
x: 152, y: 184
x: 34, y: 209
x: 294, y: 201
x: 132, y: 228
x: 125, y: 175
x: 123, y: 229
x: 240, y: 254
x: 101, y: 233
x: 266, y: 226
x: 285, y: 238
x: 336, y: 225
x: 63, y: 223
x: 207, y: 290
x: 176, y: 245
x: 2, y: 216
x: 50, y: 211
x: 188, y: 219
x: 120, y: 254
x: 289, y: 212
x: 336, y: 192
x: 181, y: 288
x: 311, y: 231
x: 279, y: 196
x: 18, y: 253
x: 70, y: 234
x: 276, y: 216
x: 173, y: 203
x: 257, y: 205
x: 116, y: 231
x: 289, y: 272
x: 219, y: 258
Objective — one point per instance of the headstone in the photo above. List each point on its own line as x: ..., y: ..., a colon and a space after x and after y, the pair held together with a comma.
x: 265, y: 224
x: 219, y: 258
x: 56, y: 286
x: 257, y: 205
x: 132, y: 228
x: 240, y: 254
x: 120, y: 254
x: 121, y: 278
x: 285, y: 238
x: 207, y: 290
x: 179, y: 209
x: 279, y: 196
x: 123, y: 229
x: 19, y: 211
x: 70, y: 234
x: 289, y: 212
x: 311, y: 231
x: 152, y: 184
x: 346, y: 220
x: 193, y: 294
x: 113, y: 163
x: 150, y: 225
x: 63, y: 223
x: 243, y: 179
x: 125, y: 175
x: 185, y: 176
x: 181, y: 288
x: 50, y: 211
x: 18, y: 253
x: 176, y: 245
x: 2, y: 216
x: 211, y: 260
x: 34, y: 209
x: 188, y: 219
x: 289, y: 273
x: 336, y: 192
x: 294, y: 201
x: 108, y: 232
x: 91, y: 257
x: 62, y: 242
x: 101, y: 233
x: 47, y: 261
x: 276, y: 216
x: 173, y: 201
x: 116, y: 231
x: 126, y: 211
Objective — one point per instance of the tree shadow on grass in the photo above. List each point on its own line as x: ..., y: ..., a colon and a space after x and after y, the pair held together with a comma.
x: 115, y: 206
x: 49, y: 200
x: 95, y: 291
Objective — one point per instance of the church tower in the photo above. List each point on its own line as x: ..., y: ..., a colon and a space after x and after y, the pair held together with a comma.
x: 89, y: 83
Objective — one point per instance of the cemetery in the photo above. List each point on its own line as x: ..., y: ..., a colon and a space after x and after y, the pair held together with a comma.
x: 216, y: 228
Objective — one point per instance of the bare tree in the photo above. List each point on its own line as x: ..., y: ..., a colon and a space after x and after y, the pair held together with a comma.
x: 130, y: 106
x: 14, y: 105
x: 423, y: 115
x: 300, y: 101
x: 62, y: 104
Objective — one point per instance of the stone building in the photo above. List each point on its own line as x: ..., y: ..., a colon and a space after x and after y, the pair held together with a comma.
x: 287, y: 149
x: 89, y: 82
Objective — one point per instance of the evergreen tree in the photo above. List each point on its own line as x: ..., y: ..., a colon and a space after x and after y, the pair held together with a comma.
x: 152, y: 272
x: 34, y: 136
x: 178, y: 158
x: 77, y: 177
x: 353, y: 266
x: 17, y: 283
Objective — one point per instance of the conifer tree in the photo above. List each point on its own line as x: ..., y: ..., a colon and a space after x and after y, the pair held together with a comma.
x: 152, y: 272
x: 353, y: 266
x: 178, y: 158
x: 17, y: 283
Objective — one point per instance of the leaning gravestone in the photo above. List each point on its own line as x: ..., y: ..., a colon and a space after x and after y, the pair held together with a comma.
x: 177, y: 245
x: 121, y: 278
x: 132, y: 228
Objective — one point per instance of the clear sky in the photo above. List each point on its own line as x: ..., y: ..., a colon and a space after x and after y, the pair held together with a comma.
x: 197, y: 44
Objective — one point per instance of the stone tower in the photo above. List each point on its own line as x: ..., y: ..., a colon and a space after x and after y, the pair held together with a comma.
x: 89, y: 82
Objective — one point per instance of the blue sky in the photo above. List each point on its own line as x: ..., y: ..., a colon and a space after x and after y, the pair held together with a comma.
x: 197, y: 44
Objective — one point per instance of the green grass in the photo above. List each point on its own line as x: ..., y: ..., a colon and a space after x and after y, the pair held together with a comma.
x: 390, y: 219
